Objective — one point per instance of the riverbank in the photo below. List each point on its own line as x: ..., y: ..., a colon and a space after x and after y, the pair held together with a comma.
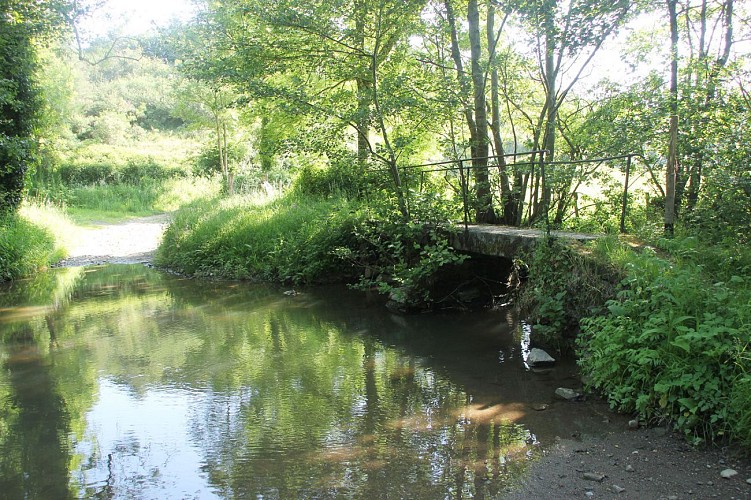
x: 647, y: 463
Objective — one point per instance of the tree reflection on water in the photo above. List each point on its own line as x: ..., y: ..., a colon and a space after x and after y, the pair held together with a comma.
x: 135, y: 383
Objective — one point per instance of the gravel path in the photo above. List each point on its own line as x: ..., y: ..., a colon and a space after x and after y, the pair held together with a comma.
x: 131, y: 242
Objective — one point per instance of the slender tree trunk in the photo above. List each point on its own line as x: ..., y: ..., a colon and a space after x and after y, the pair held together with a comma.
x: 364, y: 88
x: 551, y: 75
x: 391, y: 155
x: 480, y: 147
x: 225, y: 159
x: 672, y: 165
x: 713, y: 72
x: 509, y: 201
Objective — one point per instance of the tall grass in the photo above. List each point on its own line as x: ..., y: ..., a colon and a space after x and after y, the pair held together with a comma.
x: 289, y: 239
x: 115, y: 201
x: 33, y: 239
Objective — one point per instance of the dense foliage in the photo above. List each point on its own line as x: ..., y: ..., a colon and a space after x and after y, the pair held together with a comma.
x: 673, y: 343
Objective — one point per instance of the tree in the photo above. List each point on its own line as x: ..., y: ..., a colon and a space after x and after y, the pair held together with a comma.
x: 671, y: 170
x: 474, y: 104
x: 567, y: 37
x: 21, y: 23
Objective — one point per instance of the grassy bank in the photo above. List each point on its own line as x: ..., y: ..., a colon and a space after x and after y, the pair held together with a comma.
x: 289, y: 240
x: 33, y: 239
x: 662, y: 332
x: 673, y: 345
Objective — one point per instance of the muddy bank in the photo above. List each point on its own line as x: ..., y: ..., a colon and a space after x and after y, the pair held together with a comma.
x: 640, y: 464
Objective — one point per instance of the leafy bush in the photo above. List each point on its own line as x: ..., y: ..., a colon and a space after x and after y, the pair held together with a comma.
x: 565, y: 283
x: 207, y: 163
x: 672, y: 346
x: 132, y: 171
x: 724, y: 209
x: 339, y: 179
x: 400, y: 258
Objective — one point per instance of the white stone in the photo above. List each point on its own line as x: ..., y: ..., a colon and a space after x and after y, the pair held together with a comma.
x: 565, y: 393
x: 728, y: 473
x: 539, y: 357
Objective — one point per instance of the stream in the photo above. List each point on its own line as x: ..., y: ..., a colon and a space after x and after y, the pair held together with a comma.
x: 121, y: 381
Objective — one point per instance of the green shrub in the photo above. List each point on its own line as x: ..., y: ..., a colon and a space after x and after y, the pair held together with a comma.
x: 25, y: 247
x: 338, y: 179
x: 133, y: 171
x: 566, y: 282
x: 672, y: 346
x: 86, y: 174
x: 400, y: 258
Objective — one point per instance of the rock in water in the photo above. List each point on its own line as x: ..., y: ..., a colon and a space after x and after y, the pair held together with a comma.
x: 539, y: 357
x: 567, y: 394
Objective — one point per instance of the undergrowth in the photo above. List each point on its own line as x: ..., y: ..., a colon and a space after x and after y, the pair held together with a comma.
x: 566, y: 282
x: 673, y: 345
x: 32, y: 239
x: 287, y: 240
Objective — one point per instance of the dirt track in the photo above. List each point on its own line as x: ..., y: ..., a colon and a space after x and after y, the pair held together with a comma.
x: 131, y: 242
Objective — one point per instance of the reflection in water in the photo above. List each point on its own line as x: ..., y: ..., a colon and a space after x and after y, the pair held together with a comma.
x: 130, y: 383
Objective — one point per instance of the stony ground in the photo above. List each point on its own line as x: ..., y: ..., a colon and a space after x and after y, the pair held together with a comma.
x: 621, y: 463
x: 131, y: 242
x: 636, y: 464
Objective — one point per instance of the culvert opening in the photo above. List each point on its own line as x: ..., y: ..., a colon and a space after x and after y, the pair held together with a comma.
x: 479, y: 282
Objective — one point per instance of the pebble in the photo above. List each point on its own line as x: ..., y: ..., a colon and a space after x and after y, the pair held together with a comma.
x: 728, y: 473
x: 629, y: 468
x: 633, y: 424
x: 593, y: 476
x: 748, y: 480
x: 617, y: 489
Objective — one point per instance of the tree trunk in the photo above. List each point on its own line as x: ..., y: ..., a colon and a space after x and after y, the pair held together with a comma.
x: 551, y: 75
x: 480, y: 143
x: 672, y: 165
x: 509, y: 201
x: 364, y: 87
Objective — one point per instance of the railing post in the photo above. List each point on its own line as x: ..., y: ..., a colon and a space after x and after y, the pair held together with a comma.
x: 624, y: 207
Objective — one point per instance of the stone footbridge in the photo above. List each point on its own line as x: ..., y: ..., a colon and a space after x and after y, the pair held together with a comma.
x: 505, y: 241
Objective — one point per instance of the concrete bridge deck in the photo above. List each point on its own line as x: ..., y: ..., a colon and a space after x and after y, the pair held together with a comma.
x: 505, y: 241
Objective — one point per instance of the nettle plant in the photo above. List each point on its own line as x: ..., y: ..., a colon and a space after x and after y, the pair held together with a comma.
x: 672, y: 347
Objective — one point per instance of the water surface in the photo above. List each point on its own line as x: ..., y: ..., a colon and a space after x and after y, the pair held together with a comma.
x: 124, y: 382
